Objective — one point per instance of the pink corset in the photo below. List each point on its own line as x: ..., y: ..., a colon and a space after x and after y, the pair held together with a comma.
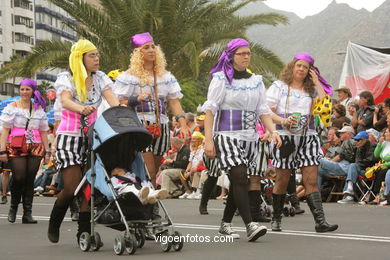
x: 71, y: 122
x: 36, y: 135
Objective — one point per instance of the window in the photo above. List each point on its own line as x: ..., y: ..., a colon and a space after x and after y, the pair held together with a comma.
x: 20, y: 37
x: 22, y: 4
x: 1, y: 49
x: 24, y: 20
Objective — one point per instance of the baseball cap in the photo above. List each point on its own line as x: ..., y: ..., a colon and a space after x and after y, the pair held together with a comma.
x: 346, y: 128
x: 361, y: 135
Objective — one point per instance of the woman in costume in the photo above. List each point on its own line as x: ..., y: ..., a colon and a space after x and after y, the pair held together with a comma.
x: 294, y: 96
x: 235, y: 101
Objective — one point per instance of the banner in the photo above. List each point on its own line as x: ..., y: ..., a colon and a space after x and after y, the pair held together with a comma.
x: 367, y: 68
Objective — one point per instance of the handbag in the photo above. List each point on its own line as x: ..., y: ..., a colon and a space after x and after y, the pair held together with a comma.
x: 18, y: 142
x: 286, y: 148
x: 154, y: 128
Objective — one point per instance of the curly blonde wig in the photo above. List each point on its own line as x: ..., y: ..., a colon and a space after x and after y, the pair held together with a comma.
x: 137, y: 65
x: 287, y: 77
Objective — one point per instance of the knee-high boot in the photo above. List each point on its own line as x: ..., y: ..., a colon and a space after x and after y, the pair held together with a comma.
x: 277, y: 203
x: 315, y: 204
x: 295, y: 203
x: 206, y: 192
x: 16, y: 196
x: 56, y: 217
x: 254, y: 204
x: 28, y: 196
x: 84, y: 224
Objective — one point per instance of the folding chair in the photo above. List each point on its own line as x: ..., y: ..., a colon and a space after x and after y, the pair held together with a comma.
x: 365, y: 186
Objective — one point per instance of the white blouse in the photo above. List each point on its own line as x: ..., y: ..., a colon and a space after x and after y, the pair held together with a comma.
x: 100, y: 82
x: 16, y: 117
x: 243, y: 94
x: 299, y: 102
x: 127, y: 85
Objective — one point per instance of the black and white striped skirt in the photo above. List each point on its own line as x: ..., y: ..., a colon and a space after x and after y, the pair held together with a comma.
x: 70, y: 151
x: 307, y: 152
x: 234, y: 152
x: 162, y: 144
x: 212, y: 165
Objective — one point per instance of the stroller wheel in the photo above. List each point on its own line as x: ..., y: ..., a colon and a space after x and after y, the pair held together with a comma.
x: 85, y: 241
x: 119, y: 244
x: 131, y: 243
x: 164, y: 242
x: 292, y: 212
x: 140, y: 236
x: 96, y: 242
x: 286, y: 212
x: 267, y: 212
x: 177, y: 246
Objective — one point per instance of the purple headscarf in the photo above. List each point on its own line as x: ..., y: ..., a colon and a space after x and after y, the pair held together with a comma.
x: 38, y: 99
x: 137, y: 40
x: 309, y: 59
x: 225, y: 63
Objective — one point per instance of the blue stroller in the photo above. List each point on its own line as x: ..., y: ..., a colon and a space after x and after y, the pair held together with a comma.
x: 115, y: 140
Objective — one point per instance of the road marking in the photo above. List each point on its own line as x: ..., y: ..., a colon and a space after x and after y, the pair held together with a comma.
x: 357, y: 237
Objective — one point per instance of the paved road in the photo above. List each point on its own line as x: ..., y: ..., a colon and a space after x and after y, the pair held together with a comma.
x: 363, y: 234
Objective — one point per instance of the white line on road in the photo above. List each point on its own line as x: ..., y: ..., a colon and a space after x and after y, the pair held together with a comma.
x: 357, y: 237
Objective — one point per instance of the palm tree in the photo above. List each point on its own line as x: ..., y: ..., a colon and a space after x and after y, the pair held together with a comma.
x: 183, y: 28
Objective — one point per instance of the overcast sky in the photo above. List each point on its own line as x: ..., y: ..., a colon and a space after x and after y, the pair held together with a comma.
x: 310, y: 7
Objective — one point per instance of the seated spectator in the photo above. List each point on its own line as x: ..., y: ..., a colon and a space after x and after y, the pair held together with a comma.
x: 380, y: 115
x: 200, y: 122
x: 193, y: 173
x: 332, y: 146
x: 343, y: 157
x: 364, y: 158
x: 345, y: 96
x: 363, y: 118
x: 339, y: 118
x: 175, y: 167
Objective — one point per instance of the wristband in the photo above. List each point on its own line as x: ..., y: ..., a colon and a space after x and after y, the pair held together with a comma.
x: 3, y: 152
x: 48, y: 153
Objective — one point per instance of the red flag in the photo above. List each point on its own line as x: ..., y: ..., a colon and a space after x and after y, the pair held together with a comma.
x: 87, y: 192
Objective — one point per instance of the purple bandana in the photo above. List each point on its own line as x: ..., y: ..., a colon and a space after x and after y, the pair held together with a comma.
x: 225, y: 62
x: 308, y: 58
x: 137, y: 40
x: 38, y: 99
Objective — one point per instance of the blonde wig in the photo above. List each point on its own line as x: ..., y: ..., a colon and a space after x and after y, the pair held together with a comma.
x: 287, y: 77
x: 137, y: 65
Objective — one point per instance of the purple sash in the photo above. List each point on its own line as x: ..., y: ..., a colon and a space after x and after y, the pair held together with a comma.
x: 149, y: 107
x: 234, y: 120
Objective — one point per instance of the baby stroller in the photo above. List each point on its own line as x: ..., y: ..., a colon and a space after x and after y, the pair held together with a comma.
x: 115, y: 140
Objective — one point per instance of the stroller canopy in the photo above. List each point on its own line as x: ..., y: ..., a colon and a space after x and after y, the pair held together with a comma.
x: 118, y: 125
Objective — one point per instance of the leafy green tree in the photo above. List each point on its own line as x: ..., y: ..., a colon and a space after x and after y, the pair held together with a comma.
x: 184, y: 28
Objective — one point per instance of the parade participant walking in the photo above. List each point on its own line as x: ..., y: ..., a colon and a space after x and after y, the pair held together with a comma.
x: 236, y: 99
x: 79, y: 92
x: 143, y: 85
x: 24, y: 143
x: 294, y: 96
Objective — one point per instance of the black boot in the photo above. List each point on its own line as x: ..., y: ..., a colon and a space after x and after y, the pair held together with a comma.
x: 315, y: 204
x: 15, y: 200
x: 295, y: 203
x: 84, y: 224
x: 208, y: 186
x: 56, y: 217
x: 254, y: 204
x: 277, y: 203
x: 74, y: 209
x: 28, y: 196
x: 388, y: 198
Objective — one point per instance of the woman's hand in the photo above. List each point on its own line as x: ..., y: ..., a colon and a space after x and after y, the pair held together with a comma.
x: 266, y: 137
x: 144, y: 97
x: 86, y: 110
x: 209, y: 149
x: 276, y: 139
x: 314, y: 78
x: 290, y: 121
